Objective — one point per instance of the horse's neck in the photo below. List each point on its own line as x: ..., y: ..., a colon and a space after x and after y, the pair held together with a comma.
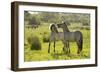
x: 66, y: 29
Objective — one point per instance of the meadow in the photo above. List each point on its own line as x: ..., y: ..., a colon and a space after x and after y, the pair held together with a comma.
x: 41, y: 35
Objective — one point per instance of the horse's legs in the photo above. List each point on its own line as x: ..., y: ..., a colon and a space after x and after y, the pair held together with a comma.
x: 49, y: 47
x: 66, y: 51
x: 54, y: 45
x: 68, y: 47
x: 63, y: 49
x: 63, y: 46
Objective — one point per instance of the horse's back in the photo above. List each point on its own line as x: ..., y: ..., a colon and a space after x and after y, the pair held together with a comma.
x: 78, y: 34
x: 72, y: 36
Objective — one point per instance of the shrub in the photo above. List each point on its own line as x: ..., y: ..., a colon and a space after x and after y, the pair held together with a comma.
x: 34, y: 20
x: 45, y: 38
x: 34, y: 43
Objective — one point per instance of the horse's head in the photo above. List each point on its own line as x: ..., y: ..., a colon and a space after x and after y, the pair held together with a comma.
x: 63, y: 25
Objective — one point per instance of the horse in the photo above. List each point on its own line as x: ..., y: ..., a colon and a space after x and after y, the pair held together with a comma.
x: 55, y: 36
x: 75, y: 36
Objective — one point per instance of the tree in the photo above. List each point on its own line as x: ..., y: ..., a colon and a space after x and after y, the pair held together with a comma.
x: 34, y: 20
x: 26, y: 16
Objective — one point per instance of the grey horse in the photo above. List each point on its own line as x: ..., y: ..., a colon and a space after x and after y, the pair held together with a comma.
x: 75, y: 36
x: 55, y: 36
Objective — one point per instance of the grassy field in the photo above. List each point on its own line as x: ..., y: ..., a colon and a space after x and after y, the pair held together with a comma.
x: 42, y: 54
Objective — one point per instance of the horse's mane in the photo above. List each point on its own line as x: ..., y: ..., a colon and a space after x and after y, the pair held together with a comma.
x: 65, y: 23
x: 50, y: 27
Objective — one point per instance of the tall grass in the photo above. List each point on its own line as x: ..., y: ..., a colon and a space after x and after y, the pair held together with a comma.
x: 43, y: 32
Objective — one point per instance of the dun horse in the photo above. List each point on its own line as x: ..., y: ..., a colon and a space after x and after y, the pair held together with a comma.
x: 75, y: 36
x: 55, y: 36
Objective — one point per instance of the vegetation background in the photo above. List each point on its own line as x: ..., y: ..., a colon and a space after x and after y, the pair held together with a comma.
x: 37, y: 35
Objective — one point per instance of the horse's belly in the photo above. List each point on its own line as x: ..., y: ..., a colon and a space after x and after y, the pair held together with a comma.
x: 70, y: 37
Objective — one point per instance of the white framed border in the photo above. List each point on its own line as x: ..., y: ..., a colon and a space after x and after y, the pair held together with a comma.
x: 23, y: 64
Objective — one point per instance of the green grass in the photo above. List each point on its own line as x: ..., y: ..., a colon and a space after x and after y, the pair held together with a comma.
x: 43, y: 55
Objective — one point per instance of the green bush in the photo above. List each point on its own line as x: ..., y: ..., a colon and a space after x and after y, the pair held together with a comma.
x: 45, y: 38
x: 34, y: 42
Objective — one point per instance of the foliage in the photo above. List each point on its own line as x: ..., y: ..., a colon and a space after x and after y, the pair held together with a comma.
x: 43, y: 55
x: 35, y: 43
x: 45, y: 38
x: 31, y: 19
x: 57, y: 17
x: 38, y: 38
x: 34, y: 20
x: 27, y: 16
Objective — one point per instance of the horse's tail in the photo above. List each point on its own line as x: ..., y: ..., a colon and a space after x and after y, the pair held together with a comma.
x: 81, y: 42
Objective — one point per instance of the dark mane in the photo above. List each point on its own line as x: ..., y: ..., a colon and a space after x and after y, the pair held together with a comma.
x: 53, y: 28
